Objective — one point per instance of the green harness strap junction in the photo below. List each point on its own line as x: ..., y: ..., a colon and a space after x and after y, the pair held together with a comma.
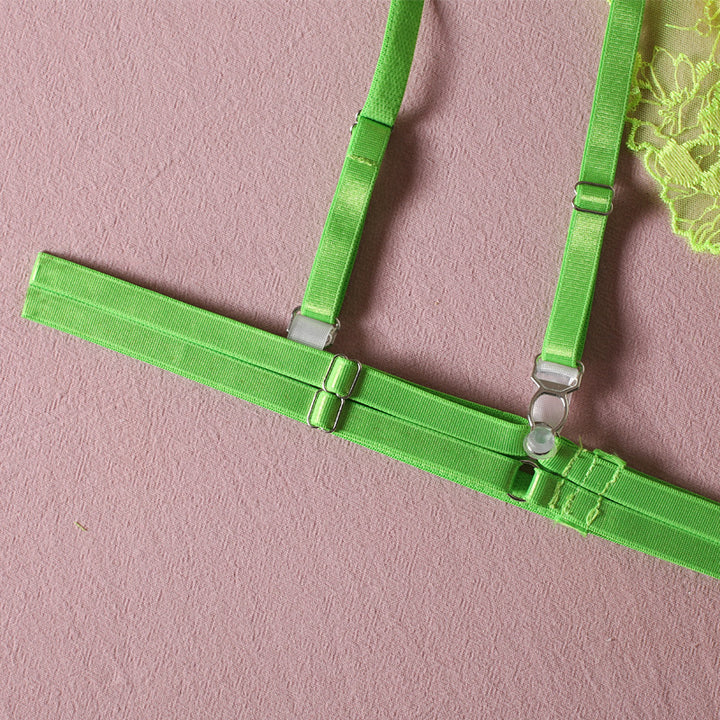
x: 479, y: 447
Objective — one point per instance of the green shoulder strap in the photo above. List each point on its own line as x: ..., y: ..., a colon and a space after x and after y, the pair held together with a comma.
x: 558, y: 370
x: 567, y: 327
x: 341, y: 235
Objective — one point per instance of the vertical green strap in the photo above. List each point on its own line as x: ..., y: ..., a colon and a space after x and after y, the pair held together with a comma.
x: 340, y: 238
x: 341, y: 235
x: 567, y: 327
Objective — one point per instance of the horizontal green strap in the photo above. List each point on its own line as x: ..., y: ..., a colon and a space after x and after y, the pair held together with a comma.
x: 435, y: 452
x: 77, y: 299
x: 606, y: 476
x: 203, y: 363
x: 209, y: 349
x: 625, y: 526
x: 653, y: 533
x: 112, y: 296
x: 452, y: 438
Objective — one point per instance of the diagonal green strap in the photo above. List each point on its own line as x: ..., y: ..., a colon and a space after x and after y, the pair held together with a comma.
x: 681, y: 540
x: 478, y: 447
x: 567, y: 327
x: 340, y: 238
x: 393, y: 66
x: 608, y: 479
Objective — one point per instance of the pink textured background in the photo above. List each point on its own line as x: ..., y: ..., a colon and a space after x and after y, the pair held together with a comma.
x: 236, y: 564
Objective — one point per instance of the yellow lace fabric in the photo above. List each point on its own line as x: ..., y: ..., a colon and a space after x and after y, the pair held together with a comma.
x: 674, y: 114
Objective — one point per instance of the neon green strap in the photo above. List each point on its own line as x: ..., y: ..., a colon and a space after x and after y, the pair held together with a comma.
x: 479, y: 447
x: 226, y: 354
x: 567, y: 327
x: 340, y: 238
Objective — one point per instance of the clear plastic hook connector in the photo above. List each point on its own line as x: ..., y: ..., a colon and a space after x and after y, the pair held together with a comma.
x: 555, y: 378
x: 550, y: 405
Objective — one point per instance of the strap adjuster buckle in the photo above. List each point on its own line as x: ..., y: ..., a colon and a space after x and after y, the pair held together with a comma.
x: 327, y: 396
x: 337, y: 414
x: 311, y: 332
x: 608, y: 201
x: 328, y: 373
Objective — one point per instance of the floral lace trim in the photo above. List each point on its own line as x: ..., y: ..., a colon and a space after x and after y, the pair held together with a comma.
x: 674, y: 118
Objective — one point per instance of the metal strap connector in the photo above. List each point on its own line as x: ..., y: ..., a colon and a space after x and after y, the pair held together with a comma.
x: 355, y: 122
x: 608, y: 201
x: 554, y: 382
x: 333, y: 395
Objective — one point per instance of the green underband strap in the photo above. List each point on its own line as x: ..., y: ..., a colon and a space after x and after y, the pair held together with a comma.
x: 479, y: 447
x: 134, y: 321
x: 567, y: 326
x: 340, y: 238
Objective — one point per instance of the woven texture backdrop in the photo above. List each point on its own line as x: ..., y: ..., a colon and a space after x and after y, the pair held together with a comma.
x: 167, y: 551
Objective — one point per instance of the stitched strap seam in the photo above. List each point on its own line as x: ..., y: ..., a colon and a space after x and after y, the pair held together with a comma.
x: 595, y: 512
x: 568, y: 503
x: 364, y: 160
x: 558, y: 488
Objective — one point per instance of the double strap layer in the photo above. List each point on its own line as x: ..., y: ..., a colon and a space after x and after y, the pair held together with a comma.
x: 476, y: 446
x: 480, y: 447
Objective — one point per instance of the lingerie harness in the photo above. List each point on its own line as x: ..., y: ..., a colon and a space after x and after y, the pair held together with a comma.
x: 482, y: 448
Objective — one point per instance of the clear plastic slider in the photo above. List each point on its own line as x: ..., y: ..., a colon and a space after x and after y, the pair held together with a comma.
x: 312, y: 332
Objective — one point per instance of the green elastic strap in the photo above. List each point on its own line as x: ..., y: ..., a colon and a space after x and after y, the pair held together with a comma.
x: 479, y: 447
x: 340, y: 238
x: 567, y: 327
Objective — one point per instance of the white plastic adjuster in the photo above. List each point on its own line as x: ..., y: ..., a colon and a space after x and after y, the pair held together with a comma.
x: 312, y: 332
x: 556, y: 378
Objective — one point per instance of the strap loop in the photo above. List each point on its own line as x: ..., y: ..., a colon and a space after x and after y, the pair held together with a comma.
x: 521, y: 484
x: 338, y: 384
x: 590, y: 198
x: 324, y: 412
x: 342, y: 376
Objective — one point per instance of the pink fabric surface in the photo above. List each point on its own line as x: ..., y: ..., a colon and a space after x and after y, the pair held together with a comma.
x: 236, y: 564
